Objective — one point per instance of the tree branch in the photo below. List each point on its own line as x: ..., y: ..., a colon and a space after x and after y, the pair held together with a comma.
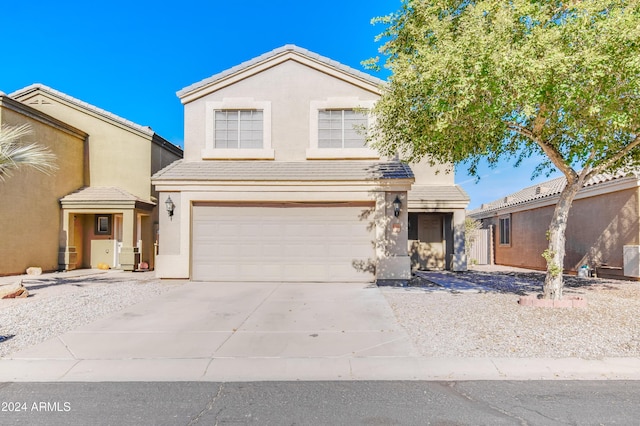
x: 586, y: 172
x: 619, y: 155
x: 539, y: 122
x: 521, y: 130
x: 550, y: 151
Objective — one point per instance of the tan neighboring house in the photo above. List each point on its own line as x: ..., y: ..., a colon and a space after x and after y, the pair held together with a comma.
x: 602, y: 231
x: 277, y: 183
x: 101, y: 208
x: 29, y: 206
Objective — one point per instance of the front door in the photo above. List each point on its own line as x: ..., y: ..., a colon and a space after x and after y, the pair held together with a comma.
x: 428, y: 252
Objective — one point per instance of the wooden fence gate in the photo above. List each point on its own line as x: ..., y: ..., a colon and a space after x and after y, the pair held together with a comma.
x: 481, y: 252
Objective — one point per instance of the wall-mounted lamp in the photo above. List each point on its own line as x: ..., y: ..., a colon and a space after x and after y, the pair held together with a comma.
x: 396, y: 206
x: 170, y: 207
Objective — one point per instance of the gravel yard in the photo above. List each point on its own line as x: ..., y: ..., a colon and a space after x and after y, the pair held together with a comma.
x: 490, y: 323
x: 58, y: 303
x: 441, y: 322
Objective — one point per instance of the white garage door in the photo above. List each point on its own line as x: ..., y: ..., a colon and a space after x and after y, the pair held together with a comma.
x: 280, y: 242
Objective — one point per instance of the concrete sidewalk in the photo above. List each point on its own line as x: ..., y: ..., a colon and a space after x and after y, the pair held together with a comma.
x: 269, y: 331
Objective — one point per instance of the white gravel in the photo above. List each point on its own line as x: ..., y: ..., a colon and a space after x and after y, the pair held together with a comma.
x: 441, y: 322
x: 445, y: 323
x: 58, y: 303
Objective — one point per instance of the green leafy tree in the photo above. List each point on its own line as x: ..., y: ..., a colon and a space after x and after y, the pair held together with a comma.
x: 505, y: 80
x: 15, y: 153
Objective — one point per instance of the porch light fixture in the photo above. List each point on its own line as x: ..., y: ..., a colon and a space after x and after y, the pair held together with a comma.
x: 396, y: 206
x: 170, y: 207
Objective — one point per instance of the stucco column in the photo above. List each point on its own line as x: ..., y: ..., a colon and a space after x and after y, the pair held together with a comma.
x: 459, y: 258
x: 173, y: 260
x: 393, y: 261
x: 129, y: 251
x: 67, y: 256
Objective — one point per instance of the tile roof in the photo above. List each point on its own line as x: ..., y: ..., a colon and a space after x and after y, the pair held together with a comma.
x: 329, y: 170
x: 431, y: 193
x: 547, y: 189
x: 266, y: 56
x: 99, y: 111
x: 93, y: 194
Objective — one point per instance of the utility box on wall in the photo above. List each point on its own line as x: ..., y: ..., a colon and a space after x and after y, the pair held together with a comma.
x: 631, y: 256
x: 103, y: 251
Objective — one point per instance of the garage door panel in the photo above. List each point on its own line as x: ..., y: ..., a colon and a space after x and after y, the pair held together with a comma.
x: 271, y: 230
x: 279, y: 244
x: 311, y: 249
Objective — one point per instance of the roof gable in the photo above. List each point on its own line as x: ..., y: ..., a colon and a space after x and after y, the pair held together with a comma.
x: 30, y: 93
x: 272, y: 59
x: 34, y: 114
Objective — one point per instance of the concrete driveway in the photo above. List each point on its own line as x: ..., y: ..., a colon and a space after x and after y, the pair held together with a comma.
x: 220, y: 332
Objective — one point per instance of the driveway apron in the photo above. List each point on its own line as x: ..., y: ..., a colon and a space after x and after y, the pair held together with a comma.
x: 224, y: 331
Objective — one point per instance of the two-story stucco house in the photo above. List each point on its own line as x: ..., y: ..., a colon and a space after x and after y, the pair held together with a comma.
x: 278, y: 184
x: 30, y: 210
x: 100, y: 203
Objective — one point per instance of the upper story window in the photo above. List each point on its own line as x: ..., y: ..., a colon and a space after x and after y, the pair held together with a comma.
x: 238, y: 129
x: 337, y: 129
x: 341, y: 128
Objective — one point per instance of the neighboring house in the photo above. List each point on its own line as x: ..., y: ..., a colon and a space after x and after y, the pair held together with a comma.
x: 277, y: 183
x: 100, y: 204
x: 602, y: 231
x: 29, y: 200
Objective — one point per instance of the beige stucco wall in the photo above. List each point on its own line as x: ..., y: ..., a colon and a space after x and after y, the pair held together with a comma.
x: 290, y: 87
x: 160, y: 158
x: 598, y: 228
x: 30, y: 210
x: 426, y: 174
x: 118, y: 156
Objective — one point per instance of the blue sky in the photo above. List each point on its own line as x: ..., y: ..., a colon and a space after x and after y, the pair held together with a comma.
x: 130, y: 57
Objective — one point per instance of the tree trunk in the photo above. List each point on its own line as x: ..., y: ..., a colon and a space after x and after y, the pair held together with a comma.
x: 554, y: 254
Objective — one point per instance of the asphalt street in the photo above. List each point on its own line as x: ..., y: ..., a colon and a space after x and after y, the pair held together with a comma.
x: 322, y: 403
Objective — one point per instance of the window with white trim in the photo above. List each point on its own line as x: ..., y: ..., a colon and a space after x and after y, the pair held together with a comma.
x: 337, y: 129
x: 238, y: 129
x: 505, y: 230
x: 342, y: 128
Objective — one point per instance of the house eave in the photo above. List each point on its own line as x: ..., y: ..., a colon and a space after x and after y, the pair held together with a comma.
x: 435, y: 205
x: 107, y: 204
x: 282, y: 185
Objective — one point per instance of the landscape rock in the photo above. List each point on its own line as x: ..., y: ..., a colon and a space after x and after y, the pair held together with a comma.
x: 13, y: 291
x: 34, y: 270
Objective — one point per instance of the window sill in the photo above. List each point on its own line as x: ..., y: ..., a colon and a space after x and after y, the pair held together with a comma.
x: 342, y: 154
x: 238, y: 154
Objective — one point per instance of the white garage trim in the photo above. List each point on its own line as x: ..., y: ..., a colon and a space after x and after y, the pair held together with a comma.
x: 292, y: 242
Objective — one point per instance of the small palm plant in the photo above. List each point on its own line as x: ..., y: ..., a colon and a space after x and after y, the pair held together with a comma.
x: 14, y: 153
